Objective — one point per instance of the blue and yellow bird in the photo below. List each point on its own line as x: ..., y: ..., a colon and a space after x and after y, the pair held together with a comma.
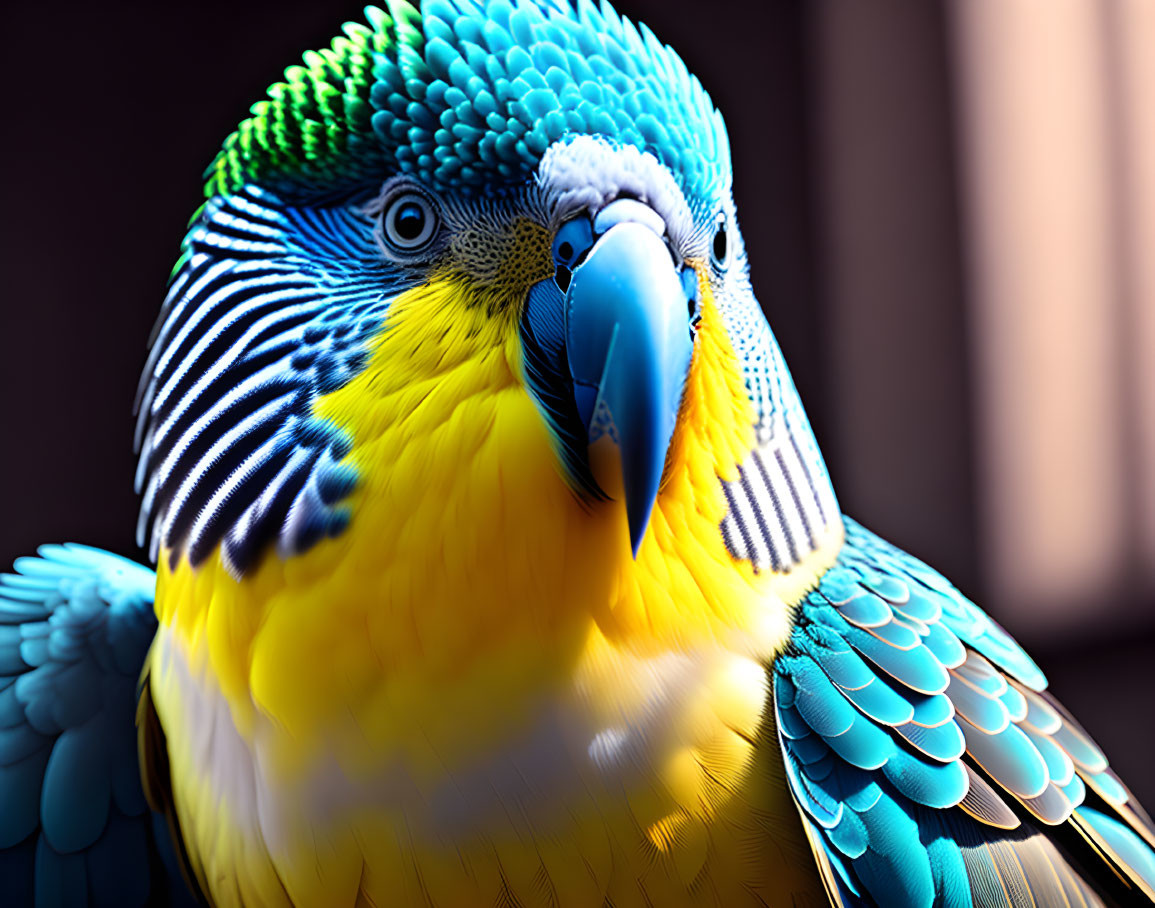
x: 496, y: 563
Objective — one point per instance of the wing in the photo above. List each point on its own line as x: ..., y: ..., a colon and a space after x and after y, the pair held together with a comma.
x: 75, y: 830
x: 927, y: 761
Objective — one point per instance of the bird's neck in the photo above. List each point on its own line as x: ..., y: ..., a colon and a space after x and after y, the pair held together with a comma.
x: 472, y: 588
x: 479, y: 636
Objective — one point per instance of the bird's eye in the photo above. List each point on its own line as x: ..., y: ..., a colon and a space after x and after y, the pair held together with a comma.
x: 720, y: 246
x: 409, y: 222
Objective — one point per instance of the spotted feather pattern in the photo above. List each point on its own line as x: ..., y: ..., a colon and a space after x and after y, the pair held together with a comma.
x: 899, y: 700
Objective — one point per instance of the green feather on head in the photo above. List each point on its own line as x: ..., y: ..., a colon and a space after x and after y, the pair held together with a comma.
x: 468, y: 96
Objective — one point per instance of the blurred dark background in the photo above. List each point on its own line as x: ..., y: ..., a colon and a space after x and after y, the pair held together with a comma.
x: 950, y: 213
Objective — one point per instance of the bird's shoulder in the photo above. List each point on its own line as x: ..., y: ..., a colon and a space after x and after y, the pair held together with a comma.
x: 927, y: 758
x: 75, y: 828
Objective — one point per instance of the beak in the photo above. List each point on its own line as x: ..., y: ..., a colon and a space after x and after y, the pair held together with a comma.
x: 629, y: 342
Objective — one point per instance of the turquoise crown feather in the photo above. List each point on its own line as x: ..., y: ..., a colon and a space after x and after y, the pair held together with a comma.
x: 468, y: 95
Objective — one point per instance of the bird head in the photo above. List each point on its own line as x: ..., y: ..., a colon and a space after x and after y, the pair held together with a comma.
x: 536, y: 183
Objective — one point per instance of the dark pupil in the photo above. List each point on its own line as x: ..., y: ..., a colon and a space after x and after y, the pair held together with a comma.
x: 410, y: 221
x: 720, y: 245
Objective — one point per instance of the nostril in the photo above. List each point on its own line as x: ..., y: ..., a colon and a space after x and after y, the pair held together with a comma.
x: 562, y: 278
x: 572, y: 241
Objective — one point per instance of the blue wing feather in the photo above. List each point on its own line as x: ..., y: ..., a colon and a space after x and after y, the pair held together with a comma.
x: 1123, y: 842
x: 907, y: 715
x: 125, y: 842
x: 75, y: 829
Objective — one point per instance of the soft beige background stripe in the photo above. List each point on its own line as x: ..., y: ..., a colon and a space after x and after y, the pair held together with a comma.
x: 1133, y: 22
x: 1046, y: 308
x: 888, y: 234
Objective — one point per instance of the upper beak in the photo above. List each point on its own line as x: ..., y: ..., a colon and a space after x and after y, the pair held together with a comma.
x: 629, y: 342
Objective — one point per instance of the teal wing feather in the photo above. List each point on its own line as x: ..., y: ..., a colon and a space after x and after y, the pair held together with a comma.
x: 75, y: 828
x: 928, y: 762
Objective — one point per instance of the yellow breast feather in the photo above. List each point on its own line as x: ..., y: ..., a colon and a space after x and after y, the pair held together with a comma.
x: 476, y: 690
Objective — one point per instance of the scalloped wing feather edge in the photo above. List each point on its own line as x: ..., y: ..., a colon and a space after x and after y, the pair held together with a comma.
x: 75, y: 625
x: 905, y: 714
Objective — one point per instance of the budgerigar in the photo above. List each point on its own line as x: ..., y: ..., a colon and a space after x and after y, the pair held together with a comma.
x: 496, y: 563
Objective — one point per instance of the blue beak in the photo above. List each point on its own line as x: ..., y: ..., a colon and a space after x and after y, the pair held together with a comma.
x: 629, y: 342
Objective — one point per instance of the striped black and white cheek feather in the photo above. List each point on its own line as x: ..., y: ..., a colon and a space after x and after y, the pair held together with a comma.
x: 778, y: 507
x: 272, y: 306
x: 782, y: 506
